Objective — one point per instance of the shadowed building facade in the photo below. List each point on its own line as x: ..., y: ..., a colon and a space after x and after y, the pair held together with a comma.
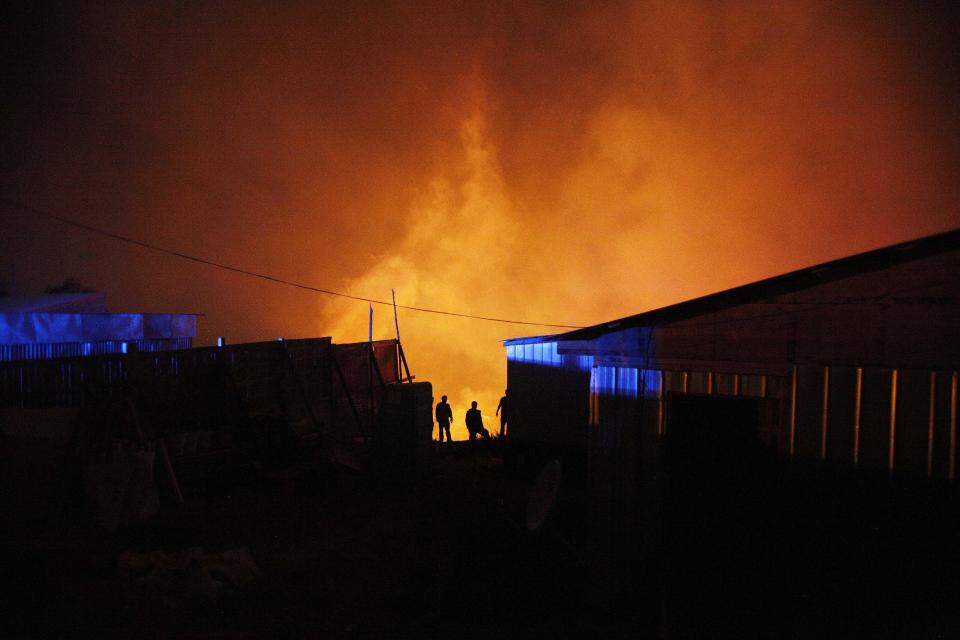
x: 684, y: 414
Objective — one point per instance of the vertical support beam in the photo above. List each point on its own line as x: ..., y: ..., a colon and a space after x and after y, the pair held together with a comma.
x: 736, y: 384
x: 403, y: 359
x: 396, y: 320
x: 824, y: 413
x: 893, y: 418
x: 953, y: 426
x: 858, y: 395
x: 660, y: 405
x: 793, y: 409
x: 763, y: 386
x: 686, y: 382
x: 930, y: 422
x: 709, y: 382
x: 370, y: 361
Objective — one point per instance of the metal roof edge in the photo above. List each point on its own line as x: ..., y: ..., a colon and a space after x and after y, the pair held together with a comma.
x: 789, y: 282
x: 509, y: 342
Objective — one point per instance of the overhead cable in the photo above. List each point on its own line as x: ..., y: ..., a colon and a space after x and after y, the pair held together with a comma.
x: 262, y: 276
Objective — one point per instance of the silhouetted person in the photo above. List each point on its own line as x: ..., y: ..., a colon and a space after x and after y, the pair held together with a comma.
x: 444, y: 417
x: 475, y: 422
x: 503, y: 410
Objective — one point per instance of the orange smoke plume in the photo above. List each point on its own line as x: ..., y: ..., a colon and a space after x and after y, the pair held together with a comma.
x: 536, y: 161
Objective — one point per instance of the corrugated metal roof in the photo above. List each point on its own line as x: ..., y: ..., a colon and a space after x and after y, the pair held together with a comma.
x: 791, y: 282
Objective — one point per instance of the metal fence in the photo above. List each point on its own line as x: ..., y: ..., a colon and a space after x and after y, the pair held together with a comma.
x: 49, y: 350
x: 312, y: 384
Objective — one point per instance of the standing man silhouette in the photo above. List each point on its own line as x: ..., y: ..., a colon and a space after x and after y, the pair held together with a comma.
x: 503, y: 410
x: 444, y: 417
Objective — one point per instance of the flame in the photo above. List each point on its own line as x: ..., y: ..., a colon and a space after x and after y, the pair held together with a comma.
x: 456, y: 243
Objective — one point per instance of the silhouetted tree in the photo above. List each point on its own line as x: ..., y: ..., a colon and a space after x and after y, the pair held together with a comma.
x: 69, y: 285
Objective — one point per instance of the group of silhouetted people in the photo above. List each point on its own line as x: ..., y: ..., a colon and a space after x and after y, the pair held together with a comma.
x: 473, y: 419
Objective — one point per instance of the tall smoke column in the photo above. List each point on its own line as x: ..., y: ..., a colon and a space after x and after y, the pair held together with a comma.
x: 455, y: 240
x: 683, y: 150
x: 541, y: 161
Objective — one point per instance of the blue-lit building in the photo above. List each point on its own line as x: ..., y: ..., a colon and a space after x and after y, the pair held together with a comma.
x: 78, y: 324
x: 686, y: 427
x: 853, y: 361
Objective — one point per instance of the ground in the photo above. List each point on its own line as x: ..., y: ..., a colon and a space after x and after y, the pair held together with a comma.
x: 337, y: 555
x: 327, y: 552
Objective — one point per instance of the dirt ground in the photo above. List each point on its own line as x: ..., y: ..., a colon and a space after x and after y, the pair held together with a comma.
x: 329, y: 554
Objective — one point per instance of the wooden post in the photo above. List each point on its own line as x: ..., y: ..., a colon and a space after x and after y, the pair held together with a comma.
x: 396, y: 321
x: 402, y: 356
x: 709, y: 382
x: 686, y: 382
x: 763, y: 386
x: 736, y: 384
x: 403, y: 359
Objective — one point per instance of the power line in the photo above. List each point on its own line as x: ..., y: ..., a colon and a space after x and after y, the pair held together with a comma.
x: 262, y: 276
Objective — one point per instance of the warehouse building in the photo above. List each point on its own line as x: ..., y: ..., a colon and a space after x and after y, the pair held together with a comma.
x: 852, y: 362
x: 752, y: 421
x: 78, y: 324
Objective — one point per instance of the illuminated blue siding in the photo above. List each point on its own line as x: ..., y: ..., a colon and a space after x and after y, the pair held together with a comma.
x: 546, y: 354
x: 44, y: 335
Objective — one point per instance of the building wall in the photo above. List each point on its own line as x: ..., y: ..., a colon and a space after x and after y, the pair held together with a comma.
x: 549, y: 394
x: 907, y: 316
x: 825, y: 358
x: 32, y: 336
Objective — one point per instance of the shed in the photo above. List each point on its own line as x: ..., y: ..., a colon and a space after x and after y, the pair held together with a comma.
x: 852, y: 361
x: 65, y: 325
x: 695, y: 431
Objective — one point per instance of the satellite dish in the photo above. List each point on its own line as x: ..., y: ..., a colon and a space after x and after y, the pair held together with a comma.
x: 543, y: 495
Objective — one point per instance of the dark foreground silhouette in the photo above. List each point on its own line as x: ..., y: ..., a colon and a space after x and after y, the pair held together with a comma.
x: 343, y: 555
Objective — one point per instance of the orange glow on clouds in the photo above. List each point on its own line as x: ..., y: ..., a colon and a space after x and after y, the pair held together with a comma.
x: 537, y: 161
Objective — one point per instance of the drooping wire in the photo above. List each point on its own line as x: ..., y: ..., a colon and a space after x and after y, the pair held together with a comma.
x: 152, y: 247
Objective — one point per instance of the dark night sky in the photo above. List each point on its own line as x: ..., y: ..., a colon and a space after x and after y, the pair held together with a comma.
x: 493, y: 158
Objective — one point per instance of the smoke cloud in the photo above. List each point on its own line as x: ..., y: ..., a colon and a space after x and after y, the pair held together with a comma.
x: 548, y: 162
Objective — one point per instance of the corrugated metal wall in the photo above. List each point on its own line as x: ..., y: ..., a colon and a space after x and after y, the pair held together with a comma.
x: 46, y: 351
x: 203, y: 388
